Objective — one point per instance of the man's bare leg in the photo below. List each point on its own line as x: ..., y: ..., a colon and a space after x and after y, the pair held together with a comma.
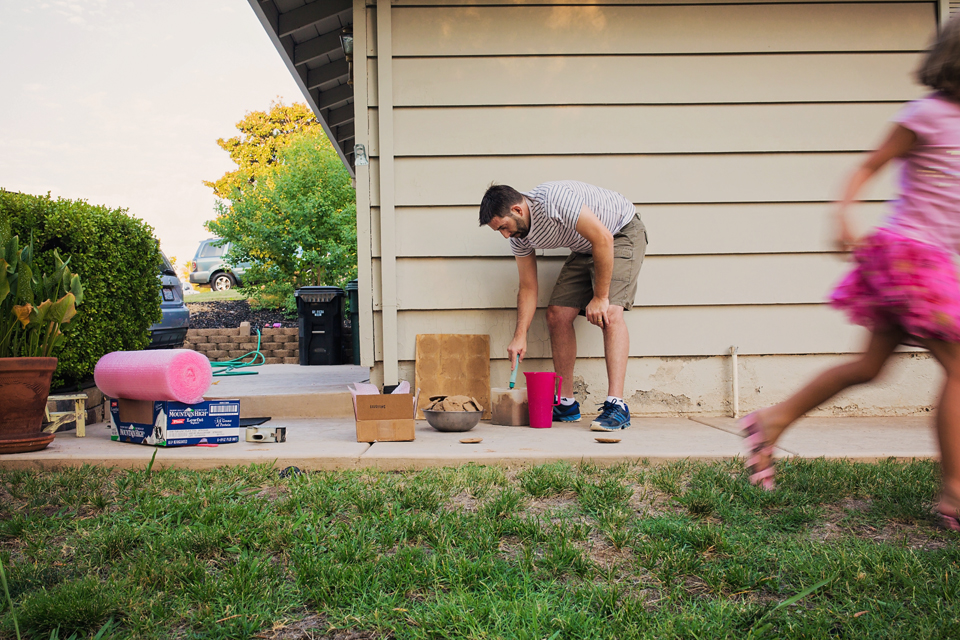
x: 563, y: 343
x: 616, y: 350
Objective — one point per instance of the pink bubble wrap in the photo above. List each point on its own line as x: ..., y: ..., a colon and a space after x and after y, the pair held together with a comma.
x: 181, y: 375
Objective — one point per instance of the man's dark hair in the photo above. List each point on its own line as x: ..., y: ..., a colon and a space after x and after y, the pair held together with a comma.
x: 497, y: 201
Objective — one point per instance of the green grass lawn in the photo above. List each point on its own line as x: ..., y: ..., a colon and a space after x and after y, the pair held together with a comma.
x: 208, y: 296
x: 685, y: 550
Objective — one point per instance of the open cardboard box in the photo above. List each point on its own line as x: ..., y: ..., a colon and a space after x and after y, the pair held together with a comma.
x: 385, y: 417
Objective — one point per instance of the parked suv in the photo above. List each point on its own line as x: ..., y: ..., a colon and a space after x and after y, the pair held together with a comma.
x: 210, y: 268
x: 172, y: 328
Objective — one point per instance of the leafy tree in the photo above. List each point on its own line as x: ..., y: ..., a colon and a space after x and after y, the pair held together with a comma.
x: 296, y: 225
x: 263, y: 134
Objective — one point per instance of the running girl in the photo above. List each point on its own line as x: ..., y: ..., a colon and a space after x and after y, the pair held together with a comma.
x: 904, y: 287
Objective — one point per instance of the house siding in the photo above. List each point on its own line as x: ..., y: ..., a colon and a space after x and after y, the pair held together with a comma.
x: 730, y: 126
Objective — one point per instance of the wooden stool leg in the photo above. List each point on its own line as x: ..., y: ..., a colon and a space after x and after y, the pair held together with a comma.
x: 80, y: 412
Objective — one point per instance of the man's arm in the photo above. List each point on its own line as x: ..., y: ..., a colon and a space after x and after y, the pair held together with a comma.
x: 526, y: 306
x: 590, y: 227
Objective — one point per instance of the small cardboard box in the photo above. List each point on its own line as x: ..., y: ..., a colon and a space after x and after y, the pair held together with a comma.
x: 174, y: 424
x: 385, y: 417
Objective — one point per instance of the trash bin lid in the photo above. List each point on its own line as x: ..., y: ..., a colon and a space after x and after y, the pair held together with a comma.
x: 351, y: 286
x: 319, y: 294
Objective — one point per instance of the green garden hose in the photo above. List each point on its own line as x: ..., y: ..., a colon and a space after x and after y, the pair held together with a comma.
x: 232, y: 367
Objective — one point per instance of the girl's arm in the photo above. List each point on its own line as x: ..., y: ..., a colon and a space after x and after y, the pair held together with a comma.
x: 897, y: 144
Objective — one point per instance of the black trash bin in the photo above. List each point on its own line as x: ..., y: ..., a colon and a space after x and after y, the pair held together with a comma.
x: 346, y: 342
x: 353, y: 295
x: 320, y: 316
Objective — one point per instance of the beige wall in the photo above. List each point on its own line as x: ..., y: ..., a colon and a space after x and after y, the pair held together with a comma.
x: 730, y: 126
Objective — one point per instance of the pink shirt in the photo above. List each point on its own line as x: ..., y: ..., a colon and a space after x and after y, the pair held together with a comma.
x: 928, y: 208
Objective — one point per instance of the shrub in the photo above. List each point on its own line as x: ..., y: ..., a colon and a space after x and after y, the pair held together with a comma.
x: 118, y: 260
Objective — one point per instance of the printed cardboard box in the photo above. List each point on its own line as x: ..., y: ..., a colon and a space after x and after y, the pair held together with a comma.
x: 174, y: 424
x: 385, y: 417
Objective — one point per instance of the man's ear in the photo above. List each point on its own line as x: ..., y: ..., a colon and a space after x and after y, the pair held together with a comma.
x: 517, y: 210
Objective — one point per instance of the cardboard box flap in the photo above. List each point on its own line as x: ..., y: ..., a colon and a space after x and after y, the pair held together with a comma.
x: 138, y: 411
x: 384, y: 407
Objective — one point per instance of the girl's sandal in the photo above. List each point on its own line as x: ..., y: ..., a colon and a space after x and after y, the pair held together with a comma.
x: 760, y: 462
x: 949, y: 522
x: 949, y: 514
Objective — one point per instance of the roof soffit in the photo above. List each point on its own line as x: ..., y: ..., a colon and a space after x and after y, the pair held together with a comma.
x: 306, y: 34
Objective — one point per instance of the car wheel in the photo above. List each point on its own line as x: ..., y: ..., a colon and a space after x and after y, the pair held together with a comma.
x: 222, y: 282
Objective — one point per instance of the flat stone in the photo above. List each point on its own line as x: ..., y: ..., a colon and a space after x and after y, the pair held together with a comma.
x: 863, y: 439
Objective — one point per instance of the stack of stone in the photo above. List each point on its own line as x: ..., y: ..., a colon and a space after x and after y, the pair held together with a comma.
x: 278, y: 345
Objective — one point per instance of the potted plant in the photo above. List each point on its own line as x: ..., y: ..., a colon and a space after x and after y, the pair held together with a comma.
x: 32, y: 310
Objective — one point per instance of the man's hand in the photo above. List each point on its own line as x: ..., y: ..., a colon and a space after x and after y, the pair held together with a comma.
x: 597, y: 312
x: 517, y: 347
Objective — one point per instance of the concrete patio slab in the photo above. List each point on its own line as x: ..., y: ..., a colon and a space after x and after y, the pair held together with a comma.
x: 311, y: 444
x: 863, y: 439
x: 729, y: 425
x: 291, y: 391
x: 330, y: 443
x: 653, y: 439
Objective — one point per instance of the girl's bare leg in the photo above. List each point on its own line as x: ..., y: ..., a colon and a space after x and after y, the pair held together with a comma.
x: 774, y: 420
x: 948, y: 423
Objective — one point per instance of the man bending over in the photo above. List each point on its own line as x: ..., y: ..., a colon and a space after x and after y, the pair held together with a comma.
x: 607, y: 242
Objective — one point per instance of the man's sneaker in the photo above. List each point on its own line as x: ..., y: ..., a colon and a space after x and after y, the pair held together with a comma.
x: 567, y: 414
x: 613, y: 417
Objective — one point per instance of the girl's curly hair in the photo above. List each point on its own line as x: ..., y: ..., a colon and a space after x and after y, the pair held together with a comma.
x: 940, y: 69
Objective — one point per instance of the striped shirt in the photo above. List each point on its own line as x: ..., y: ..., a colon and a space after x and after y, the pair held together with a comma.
x: 554, y: 211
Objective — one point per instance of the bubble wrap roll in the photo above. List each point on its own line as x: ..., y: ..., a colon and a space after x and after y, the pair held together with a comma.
x: 180, y: 375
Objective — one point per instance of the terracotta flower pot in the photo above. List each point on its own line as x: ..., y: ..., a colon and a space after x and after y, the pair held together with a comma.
x: 24, y: 387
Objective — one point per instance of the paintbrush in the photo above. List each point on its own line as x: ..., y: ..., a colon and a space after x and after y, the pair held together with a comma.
x: 516, y: 367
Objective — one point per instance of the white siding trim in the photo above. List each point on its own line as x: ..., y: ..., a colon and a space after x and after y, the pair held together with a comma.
x: 364, y: 222
x: 388, y: 221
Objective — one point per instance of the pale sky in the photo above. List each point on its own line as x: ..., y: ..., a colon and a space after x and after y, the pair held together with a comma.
x: 121, y: 103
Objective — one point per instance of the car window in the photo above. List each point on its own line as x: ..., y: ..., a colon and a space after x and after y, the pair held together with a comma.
x: 211, y: 250
x: 167, y: 268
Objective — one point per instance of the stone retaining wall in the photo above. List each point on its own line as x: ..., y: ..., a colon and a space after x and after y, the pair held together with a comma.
x: 278, y: 346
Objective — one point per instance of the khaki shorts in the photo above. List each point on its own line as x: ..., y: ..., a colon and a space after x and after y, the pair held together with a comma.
x: 574, y: 286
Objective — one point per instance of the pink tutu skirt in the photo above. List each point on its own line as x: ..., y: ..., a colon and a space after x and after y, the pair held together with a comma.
x: 901, y: 282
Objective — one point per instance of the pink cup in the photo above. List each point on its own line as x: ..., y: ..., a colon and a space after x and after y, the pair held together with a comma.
x: 543, y: 391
